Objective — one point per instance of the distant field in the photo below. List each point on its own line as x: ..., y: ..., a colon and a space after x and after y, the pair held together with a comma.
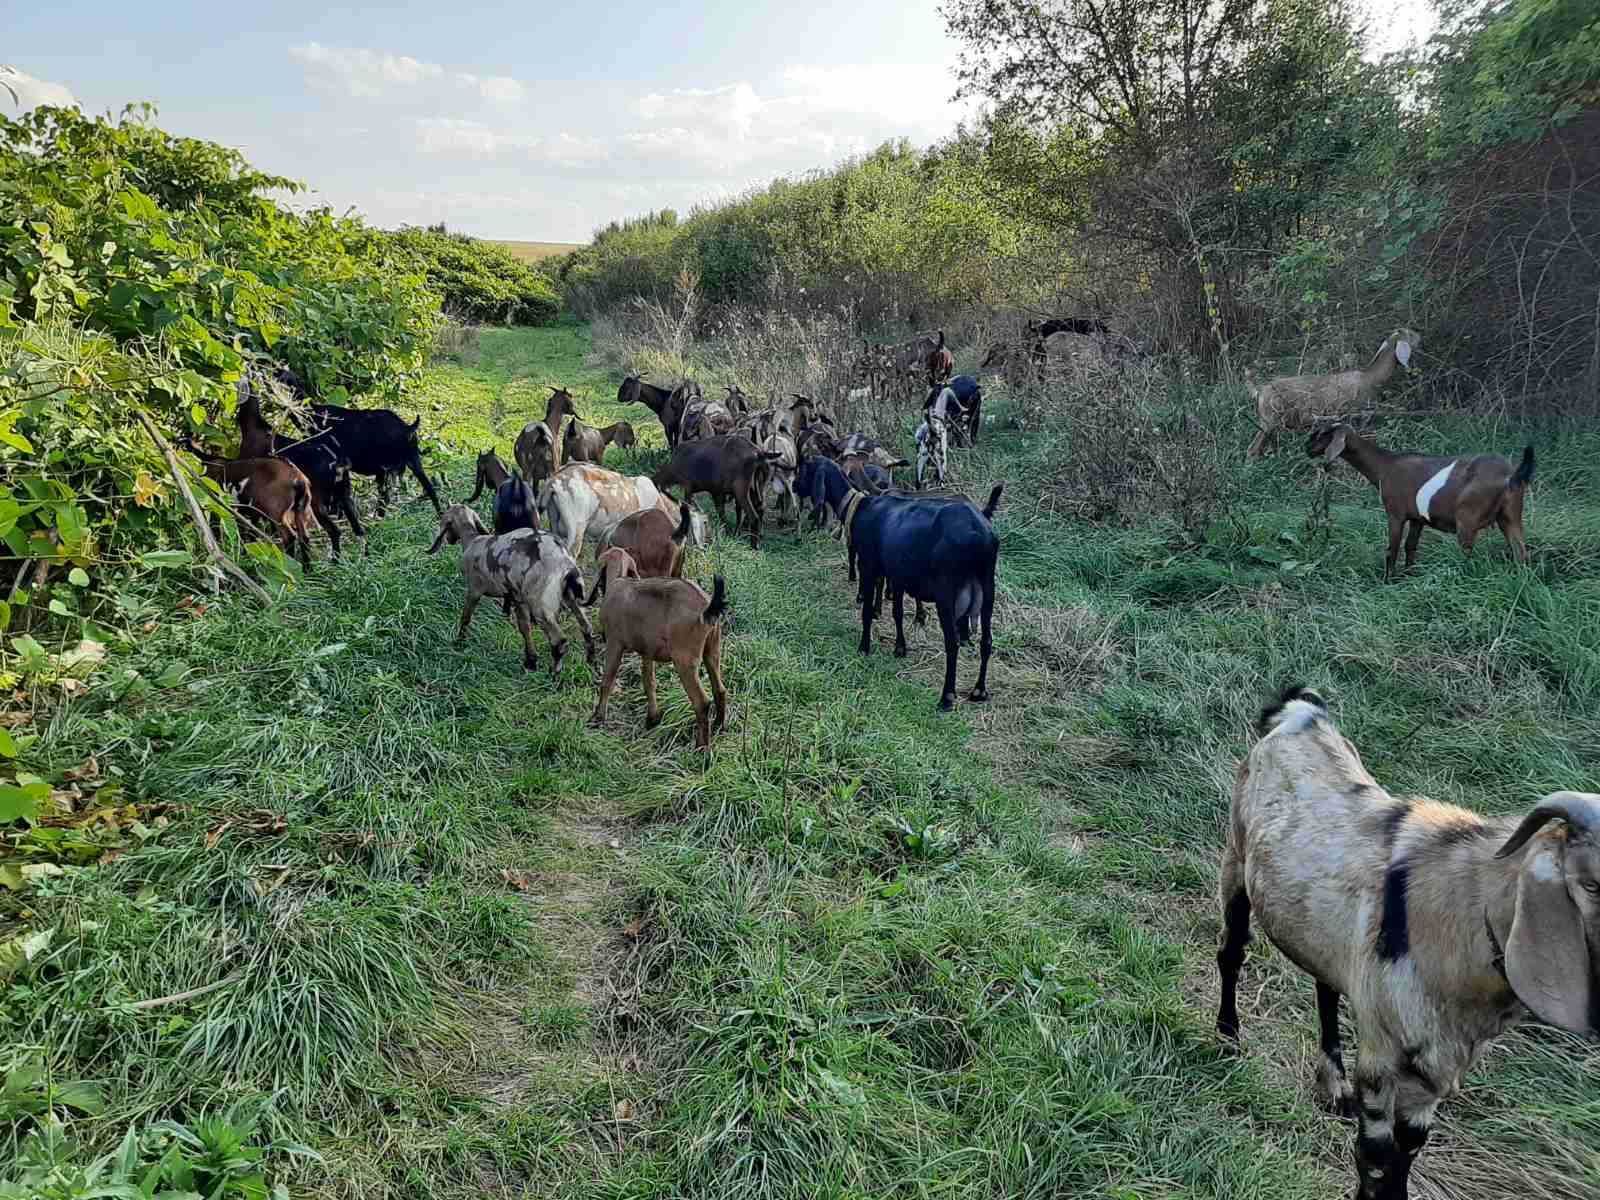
x: 534, y: 251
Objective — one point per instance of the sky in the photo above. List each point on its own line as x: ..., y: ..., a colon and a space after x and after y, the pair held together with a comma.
x: 535, y: 121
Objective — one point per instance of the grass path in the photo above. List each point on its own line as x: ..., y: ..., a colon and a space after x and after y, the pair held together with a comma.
x: 867, y: 949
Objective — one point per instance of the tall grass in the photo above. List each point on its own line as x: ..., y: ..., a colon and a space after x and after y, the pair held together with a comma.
x: 476, y: 948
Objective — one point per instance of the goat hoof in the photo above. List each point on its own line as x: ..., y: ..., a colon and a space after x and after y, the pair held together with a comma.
x: 529, y: 663
x: 651, y: 720
x: 979, y: 695
x: 946, y: 702
x: 900, y: 650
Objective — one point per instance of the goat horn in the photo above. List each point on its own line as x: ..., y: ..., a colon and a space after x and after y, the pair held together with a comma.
x: 1580, y: 810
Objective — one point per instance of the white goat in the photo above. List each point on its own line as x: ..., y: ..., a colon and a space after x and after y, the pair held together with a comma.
x: 1295, y: 401
x: 533, y: 575
x: 1438, y: 925
x: 584, y: 500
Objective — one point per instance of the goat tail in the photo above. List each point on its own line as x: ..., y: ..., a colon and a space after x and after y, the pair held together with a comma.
x: 681, y: 533
x: 1274, y: 714
x: 1524, y: 474
x: 994, y: 501
x: 597, y: 591
x: 719, y: 601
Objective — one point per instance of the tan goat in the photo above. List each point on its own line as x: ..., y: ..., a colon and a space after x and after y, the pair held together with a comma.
x: 1296, y: 401
x: 662, y: 620
x: 1463, y: 496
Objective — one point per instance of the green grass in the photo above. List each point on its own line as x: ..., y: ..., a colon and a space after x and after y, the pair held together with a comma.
x: 867, y: 949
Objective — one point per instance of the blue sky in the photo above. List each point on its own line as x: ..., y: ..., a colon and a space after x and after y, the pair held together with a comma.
x: 514, y: 120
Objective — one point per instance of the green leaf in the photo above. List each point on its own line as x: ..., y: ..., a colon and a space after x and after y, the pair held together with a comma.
x: 78, y: 577
x: 19, y: 951
x: 5, y: 616
x: 21, y: 803
x: 8, y: 745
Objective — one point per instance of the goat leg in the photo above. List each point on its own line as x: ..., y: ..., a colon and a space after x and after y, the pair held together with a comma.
x: 530, y: 660
x: 1412, y: 538
x: 1397, y: 527
x: 899, y: 623
x: 869, y: 589
x: 986, y: 640
x: 576, y: 609
x: 415, y: 463
x: 713, y: 659
x: 614, y: 652
x: 466, y: 616
x: 689, y: 672
x: 947, y: 623
x: 652, y: 709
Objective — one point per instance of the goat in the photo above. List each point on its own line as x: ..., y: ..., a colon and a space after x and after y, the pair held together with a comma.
x: 722, y: 467
x: 1439, y: 926
x: 583, y: 500
x: 271, y: 489
x: 699, y: 527
x: 701, y: 419
x: 963, y: 407
x: 319, y: 458
x: 652, y: 539
x: 780, y: 477
x: 514, y: 506
x: 941, y: 364
x: 1295, y: 401
x: 737, y: 402
x: 558, y: 407
x: 537, y: 452
x: 533, y: 575
x: 935, y: 548
x: 490, y: 473
x: 1463, y: 496
x: 378, y: 444
x: 585, y: 443
x: 933, y: 439
x: 667, y: 404
x: 662, y: 620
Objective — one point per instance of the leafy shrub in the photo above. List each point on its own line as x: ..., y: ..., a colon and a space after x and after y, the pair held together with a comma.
x: 479, y: 280
x: 137, y: 273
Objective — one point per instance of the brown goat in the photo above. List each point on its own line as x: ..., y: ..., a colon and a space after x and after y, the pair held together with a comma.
x: 491, y: 474
x: 662, y: 620
x: 1453, y: 495
x: 558, y: 407
x: 941, y: 363
x: 272, y: 490
x: 585, y: 443
x: 653, y: 540
x: 537, y: 453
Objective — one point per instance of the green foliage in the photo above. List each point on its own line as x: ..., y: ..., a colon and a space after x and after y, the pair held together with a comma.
x: 217, y: 1158
x: 1506, y: 70
x: 479, y: 280
x: 137, y: 272
x: 894, y: 227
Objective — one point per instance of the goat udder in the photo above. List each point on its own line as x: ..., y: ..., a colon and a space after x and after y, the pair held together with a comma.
x: 969, y: 601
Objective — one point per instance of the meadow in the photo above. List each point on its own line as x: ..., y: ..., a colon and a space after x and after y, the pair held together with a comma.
x: 404, y: 909
x: 536, y: 251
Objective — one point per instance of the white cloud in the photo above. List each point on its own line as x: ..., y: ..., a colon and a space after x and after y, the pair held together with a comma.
x: 31, y: 93
x: 373, y: 74
x: 450, y: 135
x: 364, y: 73
x: 733, y: 108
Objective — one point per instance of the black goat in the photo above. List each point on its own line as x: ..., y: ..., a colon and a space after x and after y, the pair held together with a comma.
x: 941, y: 549
x: 320, y: 458
x: 379, y: 444
x: 513, y: 505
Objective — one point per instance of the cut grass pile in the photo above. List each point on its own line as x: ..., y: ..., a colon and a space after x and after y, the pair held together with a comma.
x: 473, y: 947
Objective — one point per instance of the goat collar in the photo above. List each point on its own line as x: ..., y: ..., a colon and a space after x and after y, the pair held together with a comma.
x: 846, y: 518
x: 1499, y: 959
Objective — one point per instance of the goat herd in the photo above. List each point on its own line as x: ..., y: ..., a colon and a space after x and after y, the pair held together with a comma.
x: 1441, y: 927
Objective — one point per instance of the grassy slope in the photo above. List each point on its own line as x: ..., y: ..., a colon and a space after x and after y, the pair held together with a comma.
x: 867, y: 950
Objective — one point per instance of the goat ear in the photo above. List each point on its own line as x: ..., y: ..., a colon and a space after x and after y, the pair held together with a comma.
x: 1402, y: 351
x: 1335, y: 445
x: 439, y: 541
x: 1547, y: 954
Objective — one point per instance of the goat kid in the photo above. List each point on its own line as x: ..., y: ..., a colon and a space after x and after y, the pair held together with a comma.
x: 270, y: 491
x: 652, y: 539
x: 319, y: 458
x: 1438, y: 925
x: 662, y: 620
x: 1463, y: 495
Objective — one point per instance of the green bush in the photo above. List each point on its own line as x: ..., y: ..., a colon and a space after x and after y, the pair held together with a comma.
x: 479, y: 280
x: 138, y: 272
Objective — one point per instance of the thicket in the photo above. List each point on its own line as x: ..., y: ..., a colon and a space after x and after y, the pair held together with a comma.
x: 480, y: 282
x: 1223, y: 180
x: 138, y: 273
